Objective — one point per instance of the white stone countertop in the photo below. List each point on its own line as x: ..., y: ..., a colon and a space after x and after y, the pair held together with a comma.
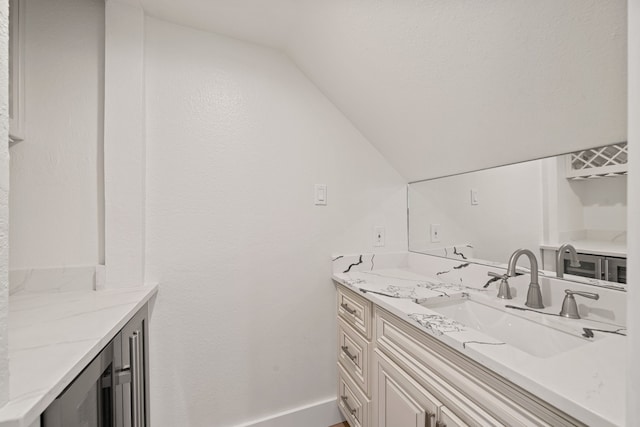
x: 595, y: 247
x: 52, y: 338
x: 586, y: 382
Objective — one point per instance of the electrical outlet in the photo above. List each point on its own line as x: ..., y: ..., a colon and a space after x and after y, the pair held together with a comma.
x: 435, y: 233
x: 378, y: 235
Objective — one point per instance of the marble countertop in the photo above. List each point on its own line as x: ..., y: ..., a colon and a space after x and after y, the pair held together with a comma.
x: 595, y: 247
x: 586, y: 382
x: 53, y: 336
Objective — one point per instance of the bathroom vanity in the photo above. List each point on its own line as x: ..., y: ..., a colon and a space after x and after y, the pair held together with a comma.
x: 422, y: 342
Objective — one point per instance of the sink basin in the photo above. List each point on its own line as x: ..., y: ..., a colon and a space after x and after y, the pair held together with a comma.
x: 531, y: 337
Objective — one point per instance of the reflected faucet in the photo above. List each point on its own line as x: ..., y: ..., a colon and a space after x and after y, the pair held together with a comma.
x: 534, y: 296
x: 573, y: 257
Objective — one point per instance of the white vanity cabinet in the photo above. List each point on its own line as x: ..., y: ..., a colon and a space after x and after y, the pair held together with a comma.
x: 354, y: 354
x: 404, y: 377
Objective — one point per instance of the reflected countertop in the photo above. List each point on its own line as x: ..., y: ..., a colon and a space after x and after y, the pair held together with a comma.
x: 594, y: 247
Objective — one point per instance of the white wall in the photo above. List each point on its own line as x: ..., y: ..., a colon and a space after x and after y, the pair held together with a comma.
x: 604, y: 202
x: 56, y: 173
x: 633, y: 321
x: 4, y: 201
x: 507, y: 217
x: 124, y: 144
x: 244, y: 324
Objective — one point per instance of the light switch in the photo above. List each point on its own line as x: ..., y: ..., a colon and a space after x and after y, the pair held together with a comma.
x: 321, y: 194
x: 474, y: 197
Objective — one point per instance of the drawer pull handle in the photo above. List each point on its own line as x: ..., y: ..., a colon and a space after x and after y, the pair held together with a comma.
x: 430, y: 419
x: 348, y: 309
x: 345, y: 402
x: 346, y: 351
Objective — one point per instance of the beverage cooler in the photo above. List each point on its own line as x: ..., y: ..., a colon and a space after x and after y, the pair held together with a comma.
x: 612, y: 269
x: 112, y: 390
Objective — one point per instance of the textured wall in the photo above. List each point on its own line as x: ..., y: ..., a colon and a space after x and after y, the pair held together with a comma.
x: 244, y: 324
x: 4, y: 202
x: 124, y: 144
x: 633, y: 380
x: 56, y: 173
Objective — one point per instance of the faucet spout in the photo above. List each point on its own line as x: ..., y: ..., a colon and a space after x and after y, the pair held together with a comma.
x: 573, y: 257
x: 534, y: 295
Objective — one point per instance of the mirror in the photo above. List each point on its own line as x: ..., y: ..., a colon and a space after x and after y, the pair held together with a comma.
x: 484, y: 216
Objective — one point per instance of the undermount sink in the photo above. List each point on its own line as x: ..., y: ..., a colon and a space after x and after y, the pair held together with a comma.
x: 531, y: 337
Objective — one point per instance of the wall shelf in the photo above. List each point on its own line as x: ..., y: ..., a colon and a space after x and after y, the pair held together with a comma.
x: 610, y: 160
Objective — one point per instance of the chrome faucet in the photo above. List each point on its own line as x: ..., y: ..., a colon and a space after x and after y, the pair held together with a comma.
x: 573, y: 257
x: 534, y: 296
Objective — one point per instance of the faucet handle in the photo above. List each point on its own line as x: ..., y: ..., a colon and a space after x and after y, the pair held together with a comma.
x: 503, y: 290
x: 569, y: 306
x: 591, y: 295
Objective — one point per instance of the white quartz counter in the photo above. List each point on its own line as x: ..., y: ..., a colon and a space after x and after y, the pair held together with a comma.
x: 53, y: 336
x: 586, y: 382
x: 593, y: 247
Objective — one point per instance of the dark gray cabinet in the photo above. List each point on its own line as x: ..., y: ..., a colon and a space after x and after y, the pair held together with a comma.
x: 113, y: 389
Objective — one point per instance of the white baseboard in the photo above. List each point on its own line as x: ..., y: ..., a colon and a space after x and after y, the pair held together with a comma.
x: 319, y: 414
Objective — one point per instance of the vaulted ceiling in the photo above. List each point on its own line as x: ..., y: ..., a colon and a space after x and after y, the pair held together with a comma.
x: 443, y: 86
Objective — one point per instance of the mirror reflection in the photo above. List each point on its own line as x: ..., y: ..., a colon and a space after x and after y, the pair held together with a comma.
x: 577, y: 200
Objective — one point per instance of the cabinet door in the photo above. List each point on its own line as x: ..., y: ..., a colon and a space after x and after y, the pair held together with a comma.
x: 132, y: 357
x: 449, y: 419
x: 399, y: 400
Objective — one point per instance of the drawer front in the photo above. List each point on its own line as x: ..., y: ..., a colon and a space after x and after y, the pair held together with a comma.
x: 355, y: 310
x: 353, y: 354
x: 353, y: 404
x: 477, y: 395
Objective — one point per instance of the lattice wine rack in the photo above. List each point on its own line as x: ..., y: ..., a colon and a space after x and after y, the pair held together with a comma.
x: 610, y: 160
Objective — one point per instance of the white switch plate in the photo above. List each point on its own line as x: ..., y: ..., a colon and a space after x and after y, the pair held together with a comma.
x: 435, y: 233
x: 320, y: 194
x: 474, y: 197
x: 378, y: 235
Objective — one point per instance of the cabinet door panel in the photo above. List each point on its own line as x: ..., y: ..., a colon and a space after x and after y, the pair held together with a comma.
x: 400, y: 401
x: 449, y: 419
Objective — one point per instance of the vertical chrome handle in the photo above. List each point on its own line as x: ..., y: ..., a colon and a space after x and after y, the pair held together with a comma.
x: 348, y: 309
x: 606, y: 270
x: 598, y: 263
x: 345, y: 402
x: 430, y: 418
x: 135, y: 360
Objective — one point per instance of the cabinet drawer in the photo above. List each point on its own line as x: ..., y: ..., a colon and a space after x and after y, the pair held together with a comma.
x: 355, y: 310
x: 353, y: 404
x: 353, y: 354
x: 477, y: 395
